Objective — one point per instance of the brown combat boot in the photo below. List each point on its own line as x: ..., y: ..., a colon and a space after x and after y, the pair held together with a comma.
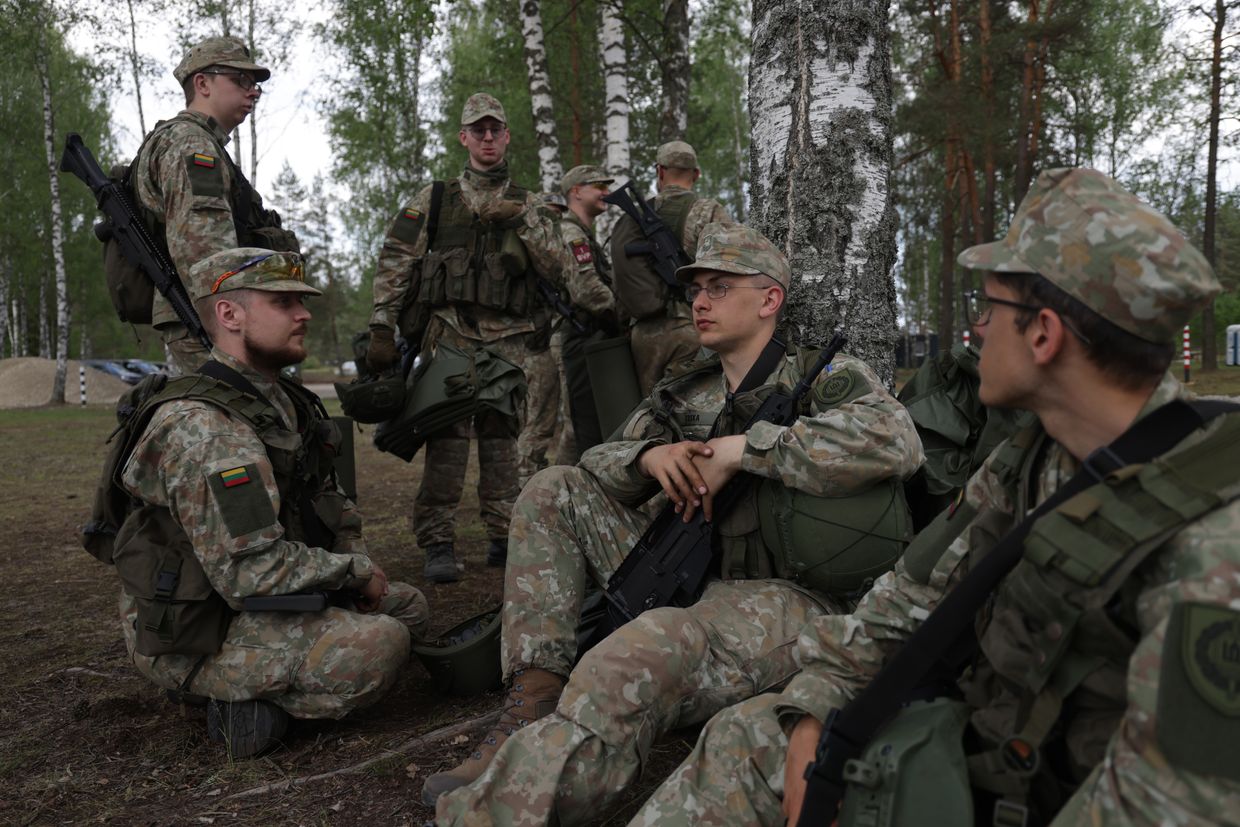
x: 532, y: 695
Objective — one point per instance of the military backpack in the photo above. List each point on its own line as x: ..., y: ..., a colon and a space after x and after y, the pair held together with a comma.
x: 639, y: 289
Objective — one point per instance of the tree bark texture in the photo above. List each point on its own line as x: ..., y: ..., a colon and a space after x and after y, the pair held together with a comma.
x: 253, y: 115
x: 674, y: 67
x: 1209, y: 352
x: 58, y: 235
x: 5, y: 269
x: 135, y: 68
x: 549, y: 169
x: 616, y: 111
x: 821, y: 158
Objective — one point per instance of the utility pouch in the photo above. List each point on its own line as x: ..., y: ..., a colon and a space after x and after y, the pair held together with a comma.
x: 443, y: 274
x: 493, y: 282
x: 913, y: 769
x: 512, y: 254
x: 178, y: 611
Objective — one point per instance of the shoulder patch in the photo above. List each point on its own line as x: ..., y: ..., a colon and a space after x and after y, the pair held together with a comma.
x: 205, y: 175
x: 408, y: 225
x: 245, y: 506
x: 581, y: 252
x: 1198, y: 713
x: 835, y: 389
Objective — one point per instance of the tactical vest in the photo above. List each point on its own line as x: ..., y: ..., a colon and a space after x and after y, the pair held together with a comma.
x: 178, y: 610
x: 776, y: 531
x: 1062, y: 627
x: 639, y: 289
x: 471, y: 262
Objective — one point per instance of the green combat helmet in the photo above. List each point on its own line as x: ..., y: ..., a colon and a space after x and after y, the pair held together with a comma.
x: 465, y: 659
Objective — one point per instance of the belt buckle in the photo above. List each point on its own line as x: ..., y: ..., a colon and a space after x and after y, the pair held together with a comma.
x: 1010, y: 814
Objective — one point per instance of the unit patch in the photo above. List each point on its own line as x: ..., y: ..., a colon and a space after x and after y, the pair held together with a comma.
x: 407, y: 226
x: 1211, y: 653
x: 835, y: 389
x: 581, y: 252
x: 201, y: 160
x: 412, y: 214
x: 245, y: 508
x: 234, y: 477
x: 206, y: 177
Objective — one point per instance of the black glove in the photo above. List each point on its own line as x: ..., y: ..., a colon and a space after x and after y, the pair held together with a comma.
x: 381, y: 353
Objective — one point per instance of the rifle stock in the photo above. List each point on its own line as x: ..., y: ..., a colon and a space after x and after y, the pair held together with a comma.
x: 671, y: 561
x: 122, y: 223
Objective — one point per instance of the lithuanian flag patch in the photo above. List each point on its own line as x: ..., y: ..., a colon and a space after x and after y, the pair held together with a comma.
x: 412, y: 214
x: 234, y: 477
x: 207, y: 161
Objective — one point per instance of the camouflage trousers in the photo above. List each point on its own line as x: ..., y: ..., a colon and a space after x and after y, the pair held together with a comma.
x: 659, y: 343
x: 446, y: 456
x: 670, y: 667
x: 185, y: 353
x: 566, y: 452
x: 540, y: 422
x: 313, y: 664
x: 735, y: 774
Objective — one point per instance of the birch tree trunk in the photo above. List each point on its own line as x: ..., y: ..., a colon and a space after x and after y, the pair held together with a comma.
x: 135, y: 68
x: 58, y: 236
x: 616, y: 89
x: 821, y: 156
x: 1209, y: 352
x: 5, y: 268
x: 674, y: 66
x: 549, y: 170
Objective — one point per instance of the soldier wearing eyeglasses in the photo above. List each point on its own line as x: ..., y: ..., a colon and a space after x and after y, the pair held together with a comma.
x: 460, y: 266
x: 188, y: 189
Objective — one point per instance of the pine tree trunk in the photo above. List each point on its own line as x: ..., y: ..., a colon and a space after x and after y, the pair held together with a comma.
x: 134, y: 67
x: 1209, y: 352
x: 549, y: 169
x: 58, y: 236
x: 616, y: 112
x: 821, y: 157
x: 674, y: 67
x: 253, y: 115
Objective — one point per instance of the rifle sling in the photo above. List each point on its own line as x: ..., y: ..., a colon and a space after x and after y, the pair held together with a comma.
x: 1150, y: 437
x: 763, y: 367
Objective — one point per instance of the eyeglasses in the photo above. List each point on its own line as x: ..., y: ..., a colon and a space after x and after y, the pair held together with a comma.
x: 978, y: 306
x: 718, y: 289
x: 240, y: 78
x: 480, y: 132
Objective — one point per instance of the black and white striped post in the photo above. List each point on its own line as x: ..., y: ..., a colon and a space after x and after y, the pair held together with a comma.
x: 1188, y: 355
x: 82, y: 383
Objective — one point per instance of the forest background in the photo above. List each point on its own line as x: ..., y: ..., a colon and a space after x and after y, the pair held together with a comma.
x: 985, y: 94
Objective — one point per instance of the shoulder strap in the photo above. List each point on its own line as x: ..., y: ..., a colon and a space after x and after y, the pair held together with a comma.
x: 850, y: 729
x: 432, y: 220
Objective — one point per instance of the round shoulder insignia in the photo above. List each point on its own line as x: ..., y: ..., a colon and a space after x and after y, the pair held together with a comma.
x: 837, y: 387
x: 1212, y: 655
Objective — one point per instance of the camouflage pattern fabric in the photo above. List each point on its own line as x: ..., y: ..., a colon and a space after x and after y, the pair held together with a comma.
x: 1131, y: 781
x: 584, y: 174
x: 671, y: 666
x: 320, y: 665
x: 736, y: 249
x: 540, y: 415
x: 481, y: 105
x: 446, y: 456
x: 677, y: 155
x: 660, y: 344
x: 566, y: 452
x: 586, y: 288
x: 219, y: 51
x: 1105, y: 247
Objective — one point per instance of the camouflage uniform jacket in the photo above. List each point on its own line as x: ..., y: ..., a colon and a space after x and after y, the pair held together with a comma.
x: 188, y: 443
x: 398, y: 270
x: 189, y: 198
x: 1113, y: 749
x: 837, y: 449
x: 589, y: 285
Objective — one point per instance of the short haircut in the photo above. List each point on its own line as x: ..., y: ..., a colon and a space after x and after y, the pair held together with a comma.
x: 1132, y: 362
x: 205, y: 306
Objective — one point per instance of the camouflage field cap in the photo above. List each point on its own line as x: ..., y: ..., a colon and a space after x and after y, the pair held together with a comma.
x: 584, y: 174
x: 1105, y: 247
x: 677, y: 155
x: 249, y: 267
x: 735, y: 248
x: 218, y: 51
x: 481, y: 105
x: 554, y: 199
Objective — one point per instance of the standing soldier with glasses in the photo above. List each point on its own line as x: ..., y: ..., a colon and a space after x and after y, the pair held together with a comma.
x: 460, y: 267
x: 190, y: 194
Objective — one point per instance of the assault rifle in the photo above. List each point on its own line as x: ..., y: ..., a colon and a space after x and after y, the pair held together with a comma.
x: 671, y: 561
x: 661, y: 244
x: 121, y: 222
x: 553, y: 298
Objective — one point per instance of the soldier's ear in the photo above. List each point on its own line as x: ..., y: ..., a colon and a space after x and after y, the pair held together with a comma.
x: 772, y: 301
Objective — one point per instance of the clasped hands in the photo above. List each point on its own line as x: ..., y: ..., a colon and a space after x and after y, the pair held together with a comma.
x: 692, y: 473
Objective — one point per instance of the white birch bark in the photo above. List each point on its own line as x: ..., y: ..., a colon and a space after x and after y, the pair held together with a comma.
x: 821, y: 155
x: 45, y: 333
x: 549, y: 170
x: 58, y: 235
x: 616, y: 109
x: 674, y: 68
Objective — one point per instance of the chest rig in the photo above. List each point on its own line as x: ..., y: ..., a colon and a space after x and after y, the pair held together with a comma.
x: 834, y: 546
x: 472, y: 262
x: 178, y: 610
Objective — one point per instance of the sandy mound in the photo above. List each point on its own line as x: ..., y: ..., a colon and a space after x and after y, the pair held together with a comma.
x: 26, y: 382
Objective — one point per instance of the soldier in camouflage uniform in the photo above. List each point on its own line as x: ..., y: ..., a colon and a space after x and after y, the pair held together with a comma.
x: 1125, y: 713
x: 665, y: 338
x: 594, y: 305
x: 207, y: 483
x: 473, y: 285
x: 671, y: 666
x: 192, y: 196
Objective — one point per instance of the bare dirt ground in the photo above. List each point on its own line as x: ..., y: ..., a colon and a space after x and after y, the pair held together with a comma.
x: 84, y: 739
